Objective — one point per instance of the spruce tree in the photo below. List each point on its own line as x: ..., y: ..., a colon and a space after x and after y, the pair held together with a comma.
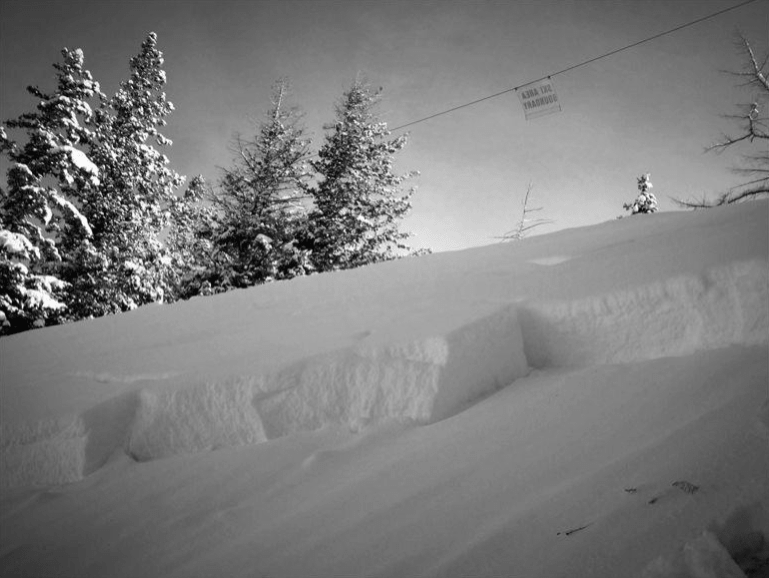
x: 259, y: 200
x: 88, y: 196
x: 645, y: 202
x: 358, y: 198
x: 130, y: 209
x: 41, y: 218
x: 194, y: 261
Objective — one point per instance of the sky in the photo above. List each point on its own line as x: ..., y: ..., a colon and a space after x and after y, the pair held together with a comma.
x: 651, y: 109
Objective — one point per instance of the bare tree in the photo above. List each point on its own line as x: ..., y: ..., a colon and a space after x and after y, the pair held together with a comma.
x: 527, y: 223
x: 753, y: 129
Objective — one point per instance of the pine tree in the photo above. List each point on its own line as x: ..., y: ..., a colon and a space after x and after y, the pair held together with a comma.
x: 41, y: 220
x: 358, y: 201
x: 645, y: 202
x: 126, y: 265
x: 194, y: 261
x: 27, y: 299
x: 259, y: 200
x: 89, y: 195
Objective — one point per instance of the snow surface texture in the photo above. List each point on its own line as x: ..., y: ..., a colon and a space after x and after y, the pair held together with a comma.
x: 424, y: 381
x: 587, y: 403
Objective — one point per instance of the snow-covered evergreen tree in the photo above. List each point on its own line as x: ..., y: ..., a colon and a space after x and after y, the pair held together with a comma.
x: 126, y: 266
x: 41, y: 214
x: 27, y: 299
x: 645, y: 202
x: 195, y: 263
x: 88, y: 195
x: 259, y: 200
x: 358, y: 199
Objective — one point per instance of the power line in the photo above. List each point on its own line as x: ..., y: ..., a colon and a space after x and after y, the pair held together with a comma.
x: 572, y: 67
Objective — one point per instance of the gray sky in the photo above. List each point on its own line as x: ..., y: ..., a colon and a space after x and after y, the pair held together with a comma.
x: 649, y: 109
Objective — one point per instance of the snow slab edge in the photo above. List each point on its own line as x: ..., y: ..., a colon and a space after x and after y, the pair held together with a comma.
x: 423, y: 381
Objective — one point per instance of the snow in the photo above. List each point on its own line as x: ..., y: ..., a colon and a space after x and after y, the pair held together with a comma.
x: 73, y: 212
x: 722, y: 306
x: 703, y: 557
x: 587, y: 403
x: 16, y: 244
x: 41, y: 298
x: 24, y: 170
x: 80, y: 160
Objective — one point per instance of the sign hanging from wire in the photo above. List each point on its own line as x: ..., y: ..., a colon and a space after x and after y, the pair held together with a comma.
x: 573, y: 66
x: 539, y: 98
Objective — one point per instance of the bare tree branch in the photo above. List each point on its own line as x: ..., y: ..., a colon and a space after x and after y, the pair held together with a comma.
x: 526, y: 224
x: 757, y: 71
x: 753, y: 129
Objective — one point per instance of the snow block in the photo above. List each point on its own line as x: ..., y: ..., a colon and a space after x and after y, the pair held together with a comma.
x: 425, y: 380
x: 42, y: 453
x: 58, y: 461
x: 726, y: 306
x: 350, y: 389
x: 202, y: 417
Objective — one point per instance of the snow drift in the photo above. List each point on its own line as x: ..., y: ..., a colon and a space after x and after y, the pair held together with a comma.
x: 424, y: 380
x: 421, y: 417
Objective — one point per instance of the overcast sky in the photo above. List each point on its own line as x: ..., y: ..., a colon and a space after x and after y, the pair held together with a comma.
x: 649, y: 109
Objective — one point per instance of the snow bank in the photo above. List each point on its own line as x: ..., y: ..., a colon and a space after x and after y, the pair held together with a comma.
x: 573, y: 471
x: 40, y: 453
x: 66, y: 449
x: 724, y: 306
x: 431, y: 379
x: 207, y: 416
x: 423, y: 381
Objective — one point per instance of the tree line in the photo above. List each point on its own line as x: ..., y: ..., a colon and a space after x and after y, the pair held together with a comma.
x: 93, y: 220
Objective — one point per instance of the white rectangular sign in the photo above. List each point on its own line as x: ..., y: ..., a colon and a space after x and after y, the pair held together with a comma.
x: 539, y: 98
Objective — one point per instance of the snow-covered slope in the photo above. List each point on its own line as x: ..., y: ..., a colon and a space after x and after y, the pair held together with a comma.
x: 586, y: 403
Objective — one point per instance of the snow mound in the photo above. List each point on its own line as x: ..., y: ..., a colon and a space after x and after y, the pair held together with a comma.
x: 66, y: 449
x: 423, y: 381
x: 207, y: 416
x: 725, y: 306
x: 58, y: 461
x: 45, y: 452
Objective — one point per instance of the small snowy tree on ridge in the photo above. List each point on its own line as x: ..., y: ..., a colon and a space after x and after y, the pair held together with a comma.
x: 645, y: 202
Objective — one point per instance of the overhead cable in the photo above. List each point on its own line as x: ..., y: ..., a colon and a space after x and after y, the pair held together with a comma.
x: 572, y: 67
